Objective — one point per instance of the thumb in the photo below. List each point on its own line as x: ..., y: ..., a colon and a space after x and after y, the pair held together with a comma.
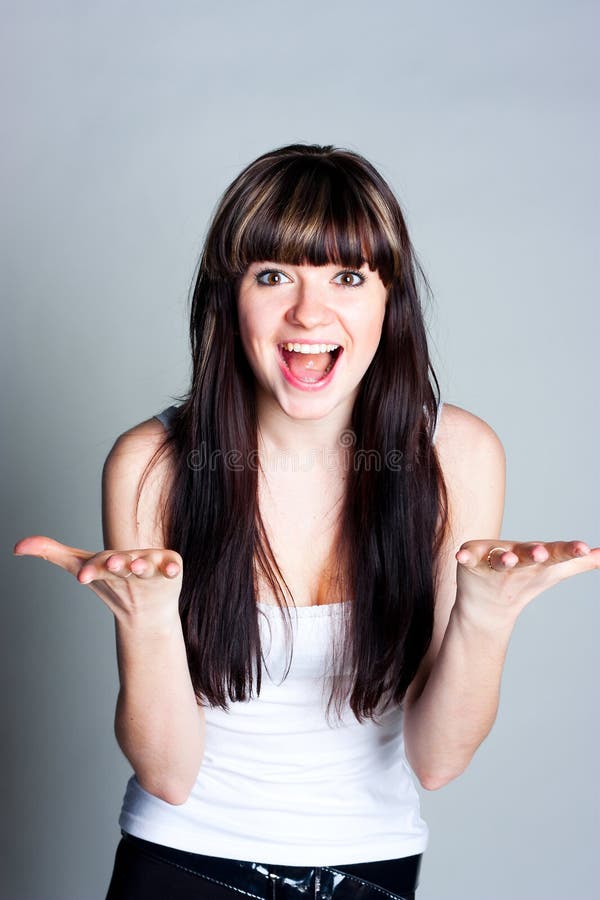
x: 68, y: 558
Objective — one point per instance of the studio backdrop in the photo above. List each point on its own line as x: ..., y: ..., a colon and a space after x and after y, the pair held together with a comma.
x: 123, y: 123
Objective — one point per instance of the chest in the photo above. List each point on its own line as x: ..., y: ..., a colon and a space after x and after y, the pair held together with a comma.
x: 301, y: 516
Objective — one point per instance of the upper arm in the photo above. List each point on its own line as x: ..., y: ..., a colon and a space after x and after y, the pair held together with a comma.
x: 473, y: 463
x: 125, y: 524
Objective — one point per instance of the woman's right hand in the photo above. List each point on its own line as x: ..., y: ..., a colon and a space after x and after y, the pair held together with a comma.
x: 136, y: 585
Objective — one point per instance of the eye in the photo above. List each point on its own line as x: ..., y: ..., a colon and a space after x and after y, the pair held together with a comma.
x: 270, y: 277
x: 347, y: 278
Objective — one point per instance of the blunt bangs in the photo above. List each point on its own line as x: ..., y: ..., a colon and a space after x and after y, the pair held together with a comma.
x: 307, y: 210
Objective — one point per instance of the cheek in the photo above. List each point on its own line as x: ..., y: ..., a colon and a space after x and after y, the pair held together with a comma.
x: 252, y: 320
x: 252, y: 340
x: 254, y: 344
x: 247, y: 328
x: 371, y: 331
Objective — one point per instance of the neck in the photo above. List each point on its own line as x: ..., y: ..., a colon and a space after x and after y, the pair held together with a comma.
x: 305, y: 441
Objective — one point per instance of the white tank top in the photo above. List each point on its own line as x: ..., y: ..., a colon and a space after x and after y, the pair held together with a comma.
x: 281, y: 783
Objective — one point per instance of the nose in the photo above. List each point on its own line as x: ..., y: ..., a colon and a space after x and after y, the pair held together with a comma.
x: 308, y: 307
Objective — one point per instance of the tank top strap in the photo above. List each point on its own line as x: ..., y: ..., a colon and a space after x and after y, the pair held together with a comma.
x: 437, y: 421
x: 166, y: 416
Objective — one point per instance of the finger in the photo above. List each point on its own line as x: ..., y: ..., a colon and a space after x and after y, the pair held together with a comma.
x: 592, y: 559
x: 561, y: 551
x: 167, y: 563
x: 120, y: 564
x: 170, y: 567
x: 549, y: 552
x: 530, y: 553
x: 68, y: 558
x: 573, y: 565
x: 157, y: 563
x: 143, y: 564
x: 500, y: 559
x: 102, y: 566
x: 472, y: 554
x: 143, y: 567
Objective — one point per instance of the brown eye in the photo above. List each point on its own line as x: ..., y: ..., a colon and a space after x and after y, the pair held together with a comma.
x: 351, y: 278
x: 271, y: 277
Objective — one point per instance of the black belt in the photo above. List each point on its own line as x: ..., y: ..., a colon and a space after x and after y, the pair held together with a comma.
x: 391, y: 878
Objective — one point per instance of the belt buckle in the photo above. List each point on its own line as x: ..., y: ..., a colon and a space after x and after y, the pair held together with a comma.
x: 274, y: 878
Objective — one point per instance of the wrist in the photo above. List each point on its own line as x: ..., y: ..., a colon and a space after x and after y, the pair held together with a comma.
x: 478, y: 613
x: 141, y: 624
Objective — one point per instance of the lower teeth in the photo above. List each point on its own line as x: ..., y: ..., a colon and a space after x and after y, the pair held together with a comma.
x: 325, y: 371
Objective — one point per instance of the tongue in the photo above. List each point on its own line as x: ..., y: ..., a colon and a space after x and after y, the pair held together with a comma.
x: 307, y: 366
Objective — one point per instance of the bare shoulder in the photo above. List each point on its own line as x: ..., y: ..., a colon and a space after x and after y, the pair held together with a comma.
x: 134, y: 454
x: 461, y: 432
x: 133, y: 449
x: 468, y: 448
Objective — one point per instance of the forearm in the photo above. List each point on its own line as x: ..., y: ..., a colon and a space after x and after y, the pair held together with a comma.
x: 458, y: 705
x: 158, y: 723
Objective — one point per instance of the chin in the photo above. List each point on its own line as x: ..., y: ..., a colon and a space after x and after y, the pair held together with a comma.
x: 312, y: 408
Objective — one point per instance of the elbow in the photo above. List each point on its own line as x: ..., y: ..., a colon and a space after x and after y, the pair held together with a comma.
x: 432, y: 782
x: 175, y: 793
x: 434, y: 773
x: 433, y: 777
x: 172, y: 782
x: 173, y: 788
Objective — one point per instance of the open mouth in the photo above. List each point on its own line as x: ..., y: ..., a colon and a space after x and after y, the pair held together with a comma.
x: 310, y: 366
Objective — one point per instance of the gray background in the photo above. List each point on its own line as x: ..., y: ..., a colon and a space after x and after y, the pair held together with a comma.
x: 123, y: 124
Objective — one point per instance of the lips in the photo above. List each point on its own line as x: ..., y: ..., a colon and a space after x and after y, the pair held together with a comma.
x: 295, y: 376
x: 295, y: 360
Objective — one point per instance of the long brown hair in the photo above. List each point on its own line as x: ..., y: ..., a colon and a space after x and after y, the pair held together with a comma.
x: 316, y: 205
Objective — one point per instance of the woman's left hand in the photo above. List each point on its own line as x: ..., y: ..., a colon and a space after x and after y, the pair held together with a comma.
x: 504, y: 576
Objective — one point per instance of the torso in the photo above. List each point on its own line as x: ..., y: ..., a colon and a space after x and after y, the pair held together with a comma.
x: 300, y: 512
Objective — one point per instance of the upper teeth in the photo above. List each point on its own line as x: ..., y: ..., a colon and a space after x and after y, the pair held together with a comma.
x: 311, y: 348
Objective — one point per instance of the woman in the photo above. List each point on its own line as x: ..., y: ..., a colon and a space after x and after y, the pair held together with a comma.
x: 326, y: 600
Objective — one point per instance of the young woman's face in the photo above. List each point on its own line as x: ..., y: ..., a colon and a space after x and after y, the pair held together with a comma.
x: 310, y: 306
